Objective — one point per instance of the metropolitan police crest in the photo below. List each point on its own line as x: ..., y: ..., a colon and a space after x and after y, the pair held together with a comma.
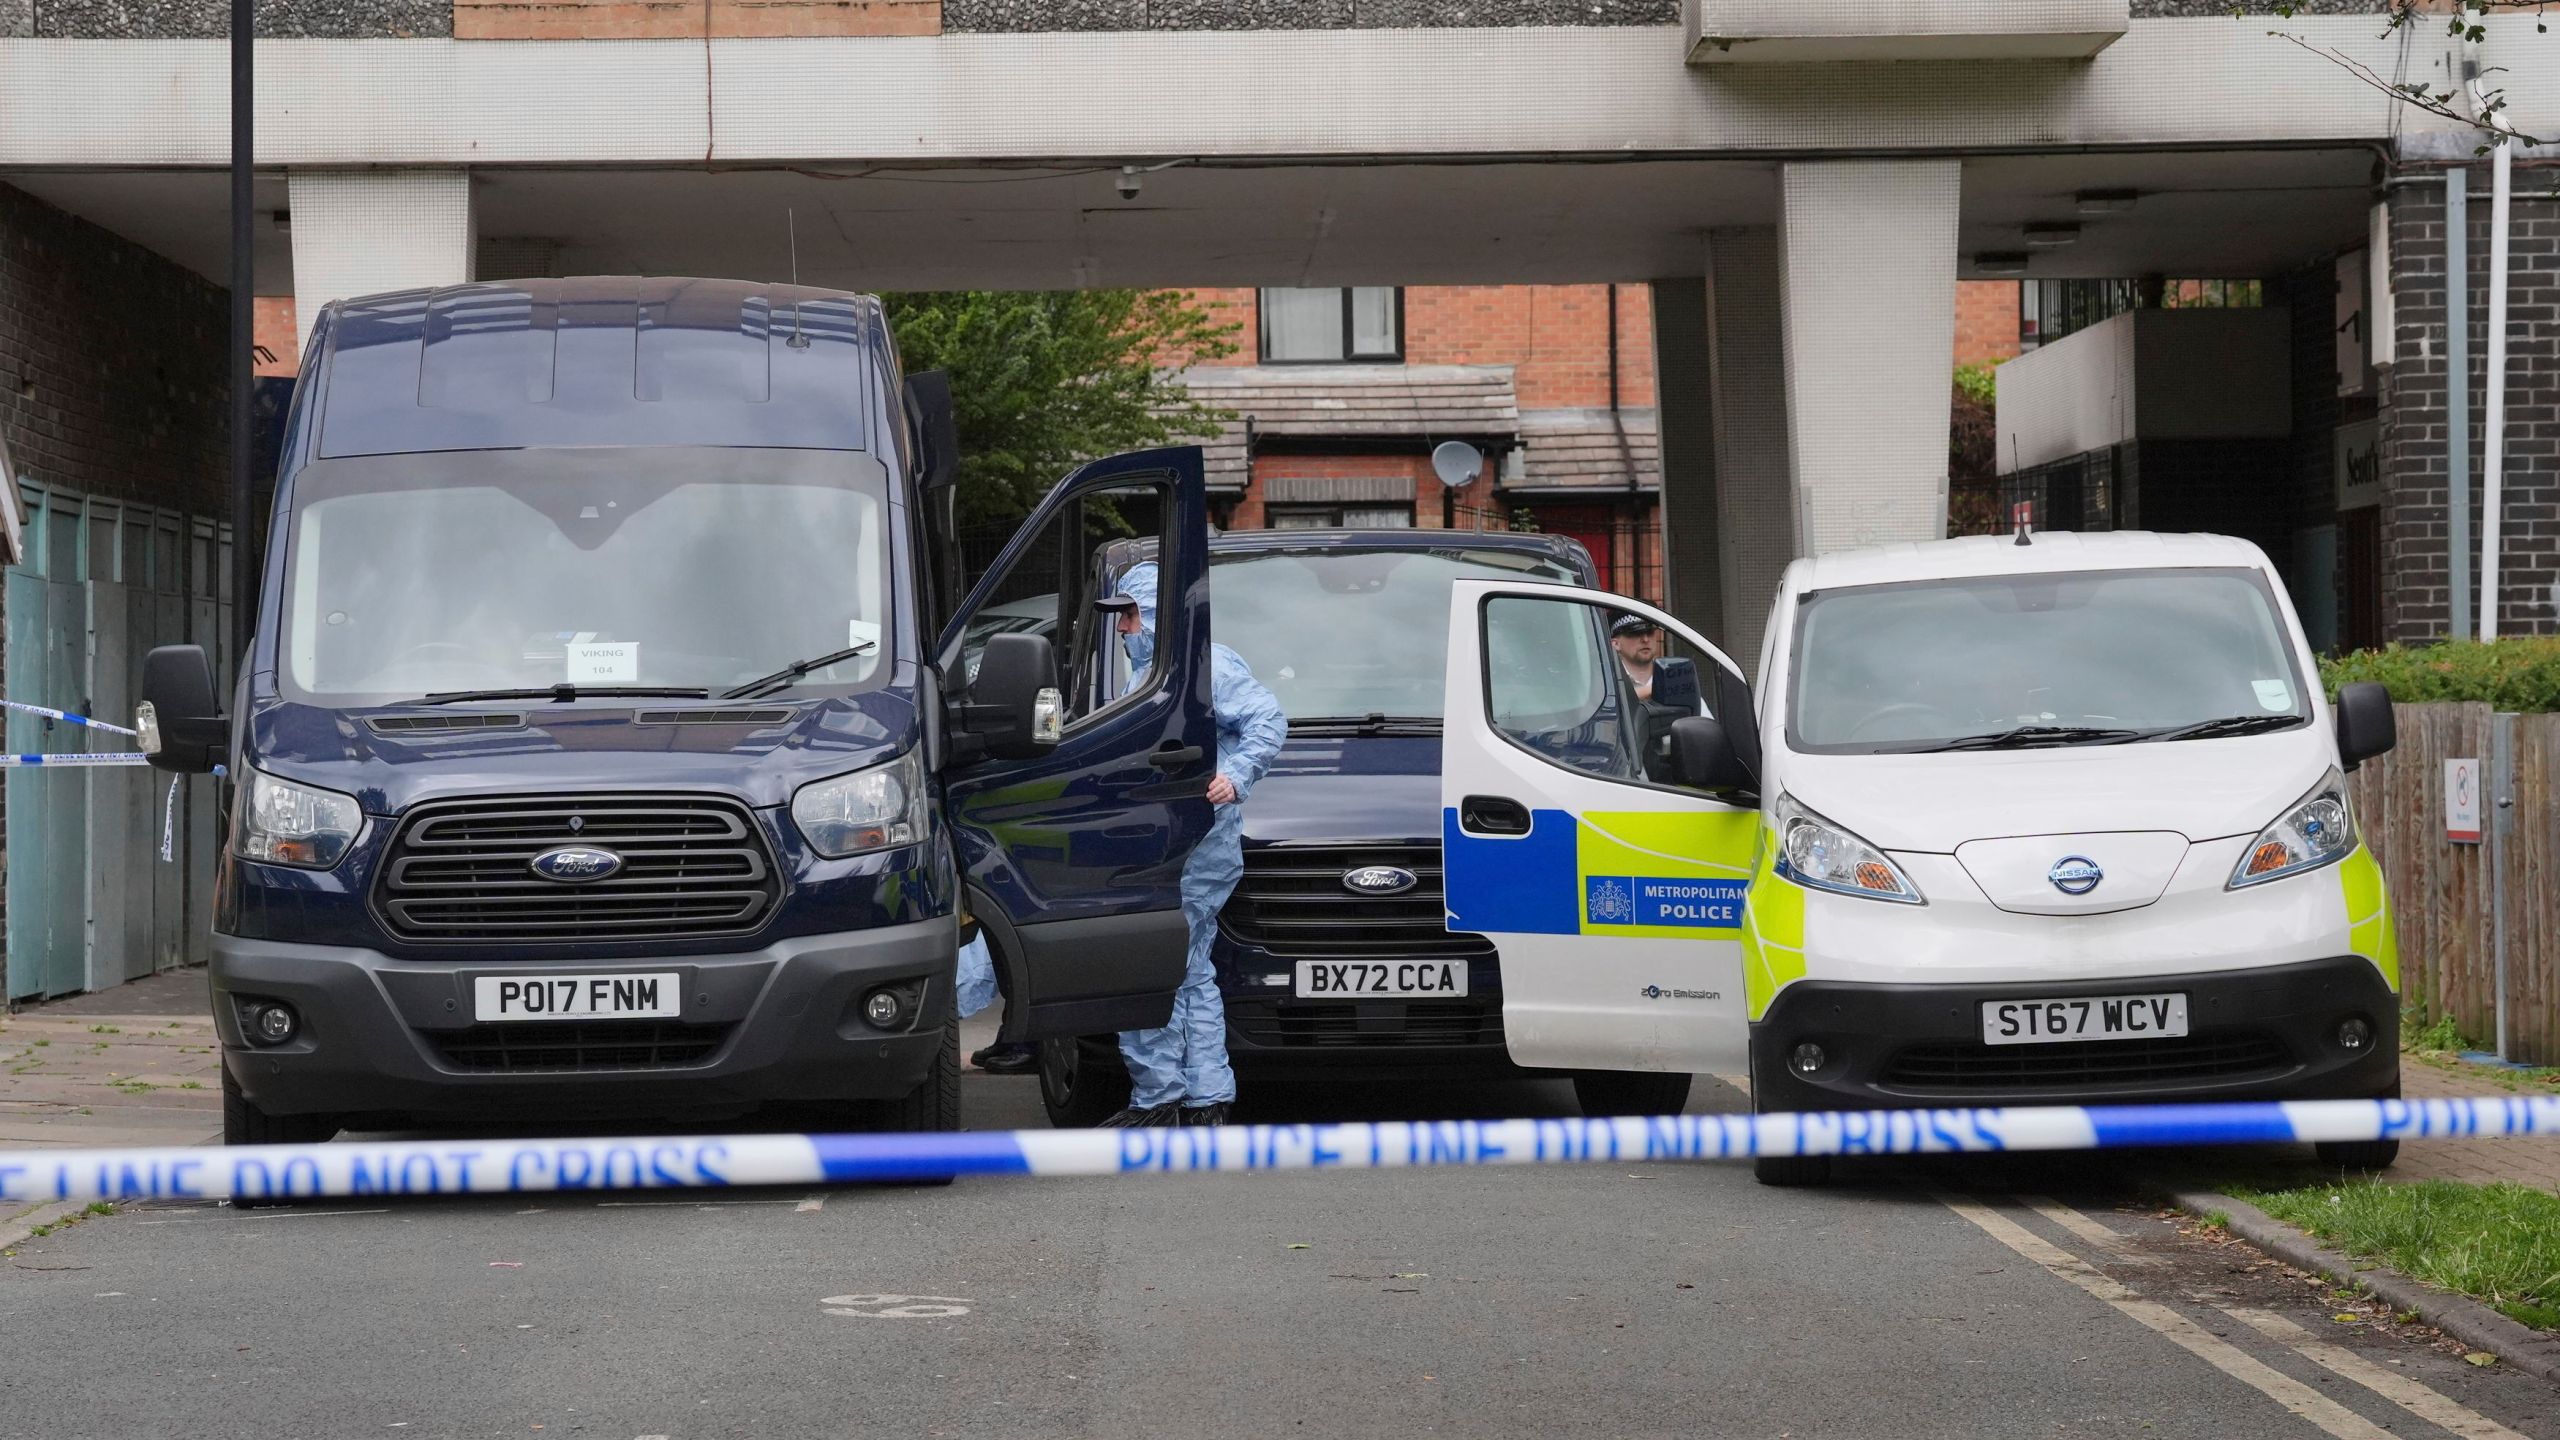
x: 1610, y: 902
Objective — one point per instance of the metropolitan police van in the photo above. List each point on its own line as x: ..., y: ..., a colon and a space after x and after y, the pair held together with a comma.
x: 2044, y: 820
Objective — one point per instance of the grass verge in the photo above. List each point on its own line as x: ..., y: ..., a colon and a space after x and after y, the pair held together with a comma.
x: 2441, y: 1044
x: 2499, y: 1244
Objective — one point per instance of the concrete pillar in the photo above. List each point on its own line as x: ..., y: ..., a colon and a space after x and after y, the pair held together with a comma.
x: 356, y: 232
x: 1869, y: 288
x: 1692, y: 555
x: 1755, y: 477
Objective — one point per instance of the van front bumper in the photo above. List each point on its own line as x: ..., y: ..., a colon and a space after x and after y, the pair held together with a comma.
x: 2266, y: 1033
x: 398, y: 1039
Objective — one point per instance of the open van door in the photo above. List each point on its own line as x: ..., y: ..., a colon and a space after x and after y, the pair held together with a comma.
x: 1071, y: 849
x: 1610, y: 877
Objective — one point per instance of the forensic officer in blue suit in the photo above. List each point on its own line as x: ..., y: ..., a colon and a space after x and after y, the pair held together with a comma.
x: 1179, y: 1075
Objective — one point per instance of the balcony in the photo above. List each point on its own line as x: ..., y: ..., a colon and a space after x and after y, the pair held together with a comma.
x: 1744, y: 32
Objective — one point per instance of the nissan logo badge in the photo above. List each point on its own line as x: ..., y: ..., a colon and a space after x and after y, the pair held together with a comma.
x: 572, y: 864
x: 1378, y: 880
x: 2075, y: 874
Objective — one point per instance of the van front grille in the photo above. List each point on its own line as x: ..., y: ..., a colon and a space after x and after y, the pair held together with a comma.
x: 1292, y: 902
x: 1367, y: 1024
x: 1970, y: 1067
x: 462, y: 871
x: 565, y: 1045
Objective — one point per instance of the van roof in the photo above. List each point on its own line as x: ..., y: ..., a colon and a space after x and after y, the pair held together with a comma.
x: 2002, y: 555
x: 598, y: 360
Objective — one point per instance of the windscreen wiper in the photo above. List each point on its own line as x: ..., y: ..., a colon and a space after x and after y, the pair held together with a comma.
x: 567, y: 692
x: 794, y: 671
x: 2227, y: 725
x: 2031, y: 736
x: 1373, y: 723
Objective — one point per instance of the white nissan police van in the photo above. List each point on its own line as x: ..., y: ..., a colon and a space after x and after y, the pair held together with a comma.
x: 2056, y: 819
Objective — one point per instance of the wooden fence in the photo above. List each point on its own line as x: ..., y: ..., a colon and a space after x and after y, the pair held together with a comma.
x: 2443, y: 892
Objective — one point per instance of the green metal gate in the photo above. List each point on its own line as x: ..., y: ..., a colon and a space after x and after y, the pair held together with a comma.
x: 89, y: 901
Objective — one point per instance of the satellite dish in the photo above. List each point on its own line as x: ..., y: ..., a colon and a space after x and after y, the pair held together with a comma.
x: 1457, y: 463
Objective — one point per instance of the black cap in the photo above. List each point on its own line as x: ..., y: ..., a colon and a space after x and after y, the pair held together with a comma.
x: 1632, y: 625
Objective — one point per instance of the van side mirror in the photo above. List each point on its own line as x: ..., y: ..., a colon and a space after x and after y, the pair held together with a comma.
x: 1732, y: 705
x: 1704, y: 757
x: 183, y: 727
x: 937, y: 428
x: 2366, y: 726
x: 1014, y: 710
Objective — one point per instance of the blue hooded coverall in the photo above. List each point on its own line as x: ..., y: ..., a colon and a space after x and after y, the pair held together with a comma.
x: 1186, y: 1060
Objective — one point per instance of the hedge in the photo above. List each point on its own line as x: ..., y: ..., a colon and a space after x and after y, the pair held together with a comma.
x: 2520, y: 674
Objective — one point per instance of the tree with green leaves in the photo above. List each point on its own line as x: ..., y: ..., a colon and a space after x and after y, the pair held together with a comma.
x: 1043, y: 381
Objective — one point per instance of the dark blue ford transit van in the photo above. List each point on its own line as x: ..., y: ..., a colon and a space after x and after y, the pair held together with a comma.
x: 607, y: 745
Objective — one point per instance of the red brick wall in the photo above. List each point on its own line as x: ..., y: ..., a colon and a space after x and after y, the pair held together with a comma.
x: 688, y: 19
x: 274, y: 318
x: 1986, y: 321
x: 1555, y: 336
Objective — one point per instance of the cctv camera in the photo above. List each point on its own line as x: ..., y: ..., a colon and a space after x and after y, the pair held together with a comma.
x: 1130, y: 182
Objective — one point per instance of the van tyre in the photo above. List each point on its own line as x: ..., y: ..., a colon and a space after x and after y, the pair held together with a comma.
x: 1792, y: 1171
x: 935, y: 1103
x: 243, y: 1123
x: 1082, y: 1080
x: 2361, y: 1154
x: 1627, y: 1092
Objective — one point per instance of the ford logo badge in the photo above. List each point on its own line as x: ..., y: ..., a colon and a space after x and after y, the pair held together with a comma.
x: 571, y: 864
x: 2075, y: 875
x: 1378, y: 880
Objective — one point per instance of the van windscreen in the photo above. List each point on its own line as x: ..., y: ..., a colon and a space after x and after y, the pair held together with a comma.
x: 2012, y: 661
x: 1342, y: 634
x: 640, y: 566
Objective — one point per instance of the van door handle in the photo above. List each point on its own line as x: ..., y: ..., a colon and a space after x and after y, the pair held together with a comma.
x: 1493, y: 815
x: 1173, y: 755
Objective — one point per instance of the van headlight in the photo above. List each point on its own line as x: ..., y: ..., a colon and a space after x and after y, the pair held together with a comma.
x: 2319, y: 829
x: 1819, y: 855
x: 280, y: 822
x: 875, y: 809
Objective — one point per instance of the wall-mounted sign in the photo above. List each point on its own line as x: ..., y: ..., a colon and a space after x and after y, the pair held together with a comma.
x: 2355, y: 334
x: 2358, y: 451
x: 2462, y: 801
x: 13, y: 512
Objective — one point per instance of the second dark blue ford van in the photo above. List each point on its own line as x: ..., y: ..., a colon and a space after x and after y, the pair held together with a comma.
x: 607, y: 747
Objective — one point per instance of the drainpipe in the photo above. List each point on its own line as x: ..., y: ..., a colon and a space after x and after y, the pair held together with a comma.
x: 2494, y: 452
x: 2457, y: 398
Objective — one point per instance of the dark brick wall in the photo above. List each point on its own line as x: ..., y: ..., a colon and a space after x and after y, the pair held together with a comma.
x: 2415, y: 439
x: 111, y: 362
x: 211, y: 19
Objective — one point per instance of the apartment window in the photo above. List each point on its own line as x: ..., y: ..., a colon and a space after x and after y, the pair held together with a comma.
x: 1339, y: 517
x: 1363, y: 323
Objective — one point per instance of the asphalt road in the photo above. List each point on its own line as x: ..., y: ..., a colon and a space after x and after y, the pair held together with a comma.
x: 2025, y: 1299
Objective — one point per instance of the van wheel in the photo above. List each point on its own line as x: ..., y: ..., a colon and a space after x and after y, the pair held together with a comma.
x: 243, y: 1123
x: 1792, y: 1170
x: 2357, y: 1154
x: 1082, y: 1080
x: 935, y: 1102
x: 2361, y: 1154
x: 1629, y: 1092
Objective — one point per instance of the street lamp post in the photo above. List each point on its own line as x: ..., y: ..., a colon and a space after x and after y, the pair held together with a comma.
x: 244, y: 322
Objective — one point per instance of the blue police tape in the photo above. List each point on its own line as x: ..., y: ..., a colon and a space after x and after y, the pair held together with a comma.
x: 75, y: 757
x: 449, y: 1167
x: 65, y: 716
